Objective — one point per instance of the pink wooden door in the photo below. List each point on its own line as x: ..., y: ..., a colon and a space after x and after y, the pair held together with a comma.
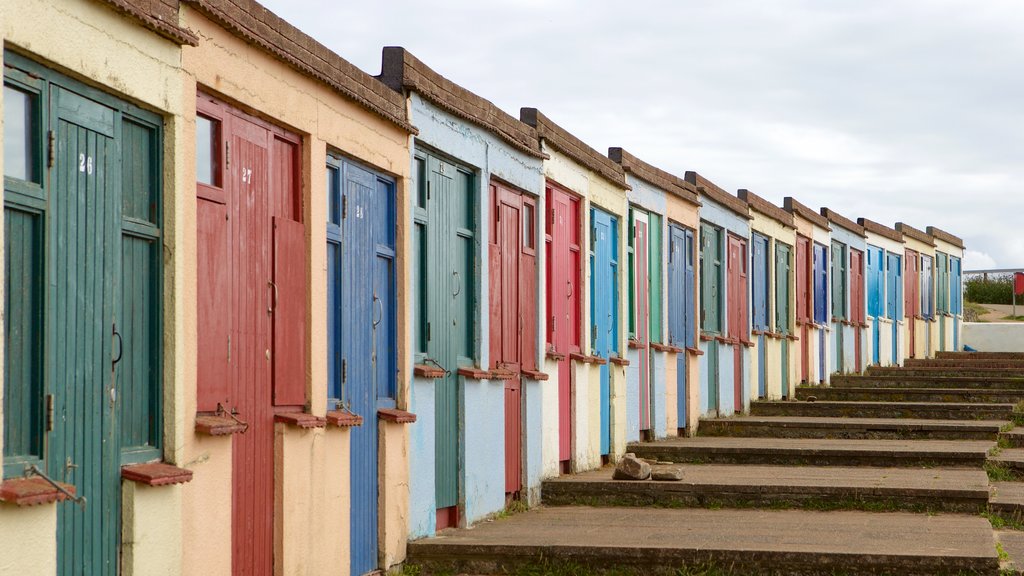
x: 642, y: 312
x: 738, y: 316
x: 911, y: 298
x: 563, y: 303
x: 804, y: 307
x: 858, y: 311
x: 507, y: 321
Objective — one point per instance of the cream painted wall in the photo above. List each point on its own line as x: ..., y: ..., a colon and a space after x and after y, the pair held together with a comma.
x: 147, y: 72
x: 687, y: 214
x: 318, y: 461
x: 923, y: 345
x: 593, y: 189
x: 27, y: 543
x: 776, y: 233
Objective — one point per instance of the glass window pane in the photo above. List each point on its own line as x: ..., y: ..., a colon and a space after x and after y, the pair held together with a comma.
x: 207, y: 141
x: 332, y: 191
x: 529, y: 233
x: 19, y: 135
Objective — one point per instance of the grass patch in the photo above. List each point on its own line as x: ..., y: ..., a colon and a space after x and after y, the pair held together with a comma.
x: 999, y: 472
x: 974, y: 311
x: 1001, y: 522
x: 405, y: 570
x: 1007, y: 427
x: 1003, y: 556
x: 514, y: 507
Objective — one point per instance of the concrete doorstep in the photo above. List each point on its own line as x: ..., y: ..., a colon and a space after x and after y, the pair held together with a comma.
x: 956, y: 395
x: 654, y: 541
x: 825, y: 427
x: 920, y: 410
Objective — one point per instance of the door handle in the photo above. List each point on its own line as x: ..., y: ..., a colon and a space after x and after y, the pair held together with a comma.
x: 380, y: 305
x: 458, y: 280
x: 273, y: 306
x: 120, y: 345
x: 569, y: 286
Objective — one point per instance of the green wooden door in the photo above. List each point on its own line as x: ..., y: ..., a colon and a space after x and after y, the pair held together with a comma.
x: 82, y: 287
x: 83, y: 443
x: 449, y: 332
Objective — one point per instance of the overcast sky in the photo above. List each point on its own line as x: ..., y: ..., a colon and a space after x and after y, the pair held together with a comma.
x: 893, y: 110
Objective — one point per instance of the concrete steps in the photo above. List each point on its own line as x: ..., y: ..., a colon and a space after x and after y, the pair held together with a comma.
x: 1012, y: 438
x: 1018, y: 356
x: 939, y: 372
x: 900, y: 381
x: 776, y: 487
x: 800, y: 451
x: 852, y: 428
x: 903, y: 394
x: 921, y: 410
x: 655, y: 541
x: 968, y: 363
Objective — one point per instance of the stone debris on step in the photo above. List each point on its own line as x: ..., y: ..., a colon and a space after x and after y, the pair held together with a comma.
x: 667, y: 473
x: 632, y: 468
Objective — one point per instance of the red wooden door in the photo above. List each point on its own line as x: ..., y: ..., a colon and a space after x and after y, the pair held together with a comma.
x: 251, y: 240
x: 804, y: 306
x: 642, y: 312
x: 563, y: 303
x: 911, y: 297
x: 738, y: 316
x: 858, y: 312
x: 513, y: 312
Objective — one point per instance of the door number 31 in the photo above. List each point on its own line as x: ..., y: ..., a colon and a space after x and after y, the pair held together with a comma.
x: 85, y: 164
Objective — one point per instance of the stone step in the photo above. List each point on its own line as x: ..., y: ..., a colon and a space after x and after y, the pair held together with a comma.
x: 1013, y: 438
x: 956, y: 395
x: 980, y: 355
x: 965, y: 373
x: 775, y: 487
x: 911, y: 381
x: 857, y: 428
x: 804, y: 451
x: 1011, y: 460
x: 1007, y: 501
x: 925, y: 410
x: 658, y: 541
x: 963, y: 363
x: 1012, y: 543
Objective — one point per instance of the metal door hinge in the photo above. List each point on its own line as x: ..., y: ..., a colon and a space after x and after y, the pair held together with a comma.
x: 552, y: 215
x: 428, y: 331
x: 593, y: 332
x: 229, y: 348
x: 593, y: 238
x: 49, y: 412
x: 227, y: 153
x: 50, y: 149
x: 428, y: 189
x: 344, y: 370
x: 344, y: 207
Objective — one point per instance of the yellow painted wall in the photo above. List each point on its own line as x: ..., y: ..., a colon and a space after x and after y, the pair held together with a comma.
x: 774, y: 385
x: 146, y: 71
x: 311, y: 538
x: 688, y: 215
x: 922, y: 327
x: 593, y: 189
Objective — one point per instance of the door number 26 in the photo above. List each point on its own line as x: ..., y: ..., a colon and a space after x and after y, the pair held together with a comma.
x: 85, y: 164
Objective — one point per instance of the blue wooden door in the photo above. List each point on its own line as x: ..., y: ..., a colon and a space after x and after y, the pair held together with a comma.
x: 821, y: 302
x: 759, y: 292
x: 680, y: 304
x: 876, y: 298
x: 361, y: 316
x: 955, y: 298
x: 894, y: 298
x: 604, y: 307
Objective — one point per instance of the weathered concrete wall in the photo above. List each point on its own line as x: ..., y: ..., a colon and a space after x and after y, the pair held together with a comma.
x: 146, y: 71
x: 310, y: 538
x: 585, y: 414
x: 994, y: 336
x: 718, y: 215
x: 775, y: 388
x: 148, y: 547
x: 483, y: 475
x: 652, y: 200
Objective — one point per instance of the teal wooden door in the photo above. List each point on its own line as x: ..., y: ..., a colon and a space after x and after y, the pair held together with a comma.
x: 82, y: 295
x: 449, y: 332
x: 83, y: 443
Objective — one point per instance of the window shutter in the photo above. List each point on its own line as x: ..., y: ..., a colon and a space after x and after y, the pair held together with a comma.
x: 288, y: 294
x: 214, y: 317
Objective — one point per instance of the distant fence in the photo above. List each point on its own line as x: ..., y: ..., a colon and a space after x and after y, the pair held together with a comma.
x: 990, y: 286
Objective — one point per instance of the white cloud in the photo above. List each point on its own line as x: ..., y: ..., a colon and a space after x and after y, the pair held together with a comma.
x: 974, y: 260
x: 895, y: 110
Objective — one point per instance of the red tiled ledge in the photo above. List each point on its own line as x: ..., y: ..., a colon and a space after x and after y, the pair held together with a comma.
x: 535, y: 375
x: 395, y: 415
x: 588, y: 359
x: 156, y: 474
x: 31, y: 491
x: 695, y: 351
x: 428, y: 371
x: 502, y: 374
x: 343, y: 419
x: 556, y: 356
x: 619, y: 361
x: 219, y: 425
x: 474, y: 373
x: 300, y: 420
x: 666, y: 347
x: 634, y: 343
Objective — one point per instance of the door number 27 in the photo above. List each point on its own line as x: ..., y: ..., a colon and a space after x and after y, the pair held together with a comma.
x: 85, y: 164
x: 247, y: 175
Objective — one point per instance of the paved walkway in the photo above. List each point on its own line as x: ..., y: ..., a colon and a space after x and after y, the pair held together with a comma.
x: 998, y: 312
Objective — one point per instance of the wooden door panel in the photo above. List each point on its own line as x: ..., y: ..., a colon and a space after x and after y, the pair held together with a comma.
x: 289, y: 312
